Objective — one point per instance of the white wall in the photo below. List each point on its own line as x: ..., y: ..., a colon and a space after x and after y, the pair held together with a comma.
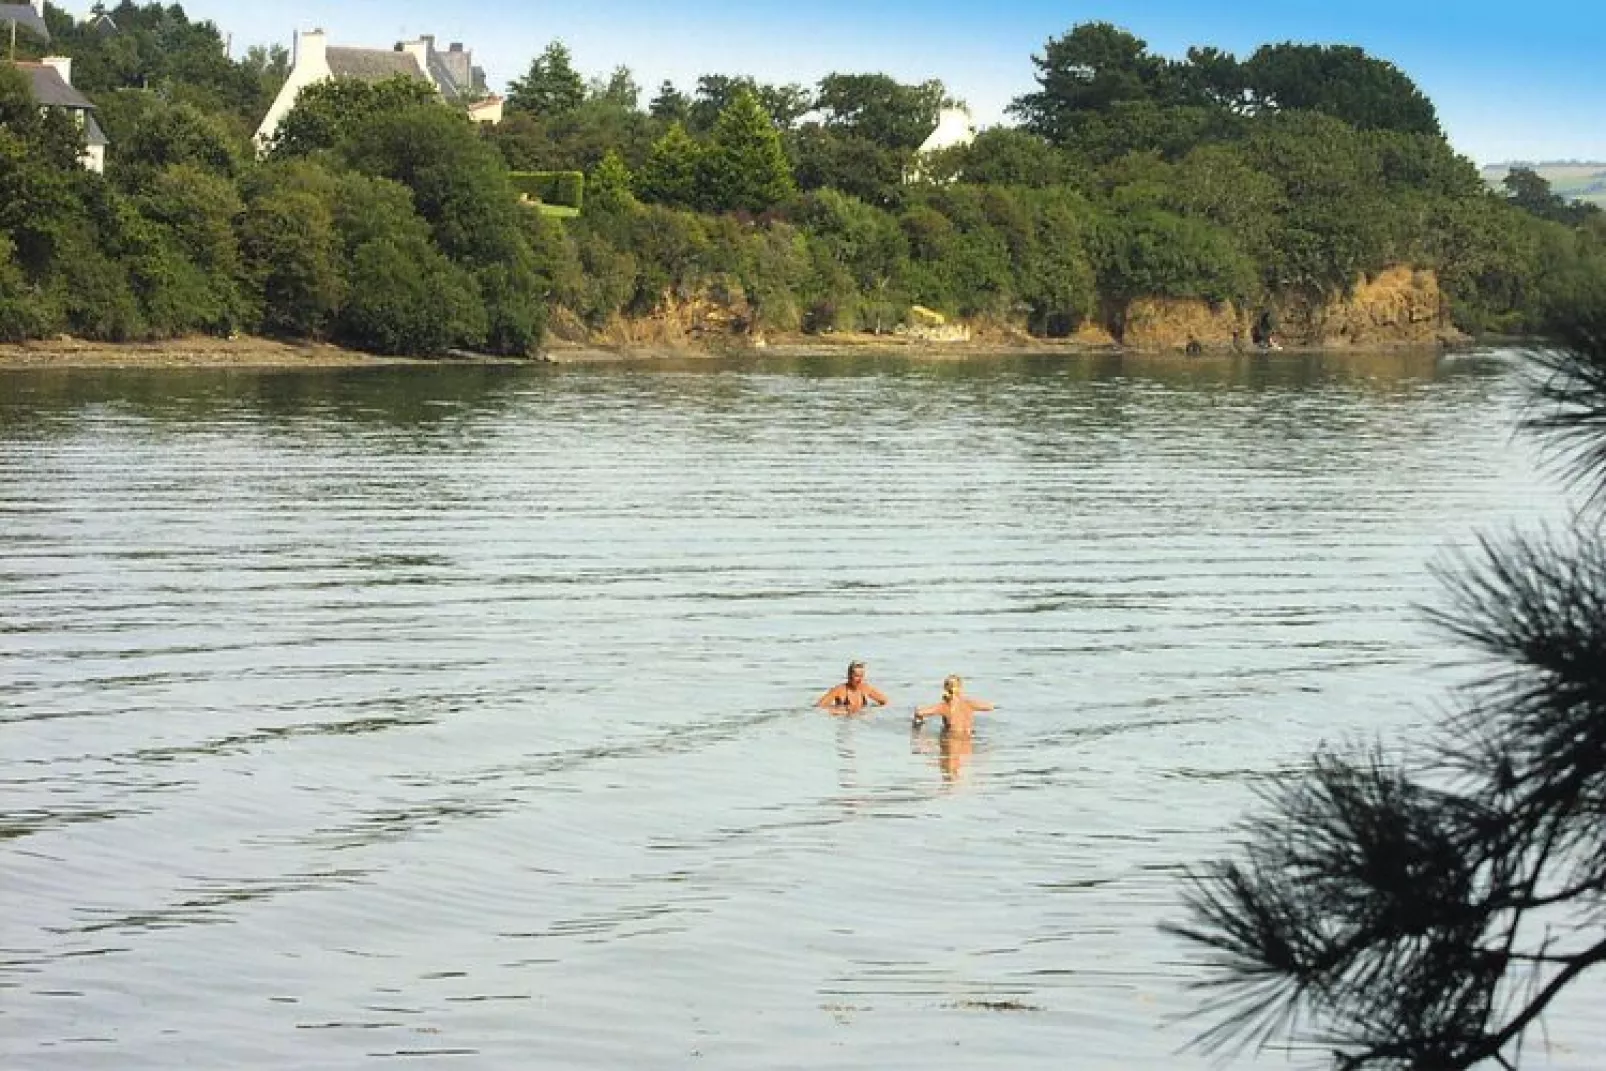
x: 311, y: 67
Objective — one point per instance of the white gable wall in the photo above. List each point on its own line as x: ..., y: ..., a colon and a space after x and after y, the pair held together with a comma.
x: 954, y: 127
x: 311, y: 67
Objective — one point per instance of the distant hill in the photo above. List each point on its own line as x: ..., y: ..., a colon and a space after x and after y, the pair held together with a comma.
x: 1573, y: 179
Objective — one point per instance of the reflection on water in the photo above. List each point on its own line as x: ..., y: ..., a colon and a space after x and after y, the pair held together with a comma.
x: 464, y: 711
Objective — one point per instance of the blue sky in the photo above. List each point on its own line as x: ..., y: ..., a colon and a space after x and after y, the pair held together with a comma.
x: 1505, y: 89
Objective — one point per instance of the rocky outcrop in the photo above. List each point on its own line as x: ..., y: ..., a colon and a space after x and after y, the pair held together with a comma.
x: 1399, y: 306
x: 1176, y: 324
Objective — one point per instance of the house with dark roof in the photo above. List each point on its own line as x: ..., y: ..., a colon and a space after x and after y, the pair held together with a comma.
x: 51, y: 82
x: 30, y: 17
x: 452, y: 73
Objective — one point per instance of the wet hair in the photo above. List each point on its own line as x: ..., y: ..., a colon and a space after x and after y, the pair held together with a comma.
x: 853, y: 666
x: 952, y: 685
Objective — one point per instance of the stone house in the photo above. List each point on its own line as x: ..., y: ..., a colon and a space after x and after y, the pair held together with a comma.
x: 451, y: 72
x: 51, y: 82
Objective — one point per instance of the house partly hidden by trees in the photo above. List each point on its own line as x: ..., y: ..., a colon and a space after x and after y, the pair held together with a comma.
x: 451, y: 73
x: 955, y: 129
x: 50, y: 80
x: 23, y: 18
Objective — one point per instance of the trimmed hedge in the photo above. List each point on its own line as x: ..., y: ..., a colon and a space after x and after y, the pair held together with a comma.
x: 561, y: 188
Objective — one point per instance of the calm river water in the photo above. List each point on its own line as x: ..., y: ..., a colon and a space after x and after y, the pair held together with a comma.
x: 462, y: 715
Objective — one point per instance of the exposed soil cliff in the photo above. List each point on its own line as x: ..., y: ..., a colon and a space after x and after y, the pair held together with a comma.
x: 1398, y: 306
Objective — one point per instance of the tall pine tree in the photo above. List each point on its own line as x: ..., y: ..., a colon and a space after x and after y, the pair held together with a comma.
x: 744, y: 166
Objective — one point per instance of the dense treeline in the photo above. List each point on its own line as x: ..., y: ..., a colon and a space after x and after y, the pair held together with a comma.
x: 382, y: 219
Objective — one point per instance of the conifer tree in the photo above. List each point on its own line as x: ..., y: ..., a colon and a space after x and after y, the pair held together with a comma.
x: 550, y: 87
x: 670, y: 175
x: 744, y: 166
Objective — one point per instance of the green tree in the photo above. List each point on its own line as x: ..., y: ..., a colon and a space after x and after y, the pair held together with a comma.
x: 404, y: 296
x: 670, y: 105
x: 197, y: 211
x: 609, y: 185
x: 291, y: 251
x: 744, y: 166
x: 825, y: 159
x: 881, y: 109
x: 1341, y: 81
x: 151, y: 134
x: 784, y: 104
x: 1089, y: 69
x: 671, y: 172
x: 329, y: 113
x: 1530, y: 191
x: 618, y: 89
x: 1003, y: 156
x: 550, y: 87
x: 22, y: 313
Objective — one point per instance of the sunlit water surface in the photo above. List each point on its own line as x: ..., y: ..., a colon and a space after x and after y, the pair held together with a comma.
x: 462, y: 714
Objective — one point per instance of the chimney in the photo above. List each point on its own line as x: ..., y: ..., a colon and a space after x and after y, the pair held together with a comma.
x: 420, y: 50
x: 312, y: 48
x: 62, y: 65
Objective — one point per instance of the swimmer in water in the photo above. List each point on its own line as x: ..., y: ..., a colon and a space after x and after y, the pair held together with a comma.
x: 957, y: 710
x: 851, y: 696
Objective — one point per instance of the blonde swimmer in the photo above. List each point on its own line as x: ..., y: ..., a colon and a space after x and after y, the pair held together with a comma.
x: 957, y: 710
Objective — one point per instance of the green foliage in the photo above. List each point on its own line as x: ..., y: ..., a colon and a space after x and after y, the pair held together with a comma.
x: 151, y: 134
x: 744, y: 166
x: 823, y: 158
x: 329, y: 113
x: 290, y: 251
x: 716, y: 93
x: 611, y: 184
x: 1003, y: 156
x: 670, y: 175
x: 670, y: 105
x: 619, y: 89
x: 1341, y: 81
x: 21, y: 313
x: 194, y: 212
x: 880, y: 109
x: 566, y: 188
x: 574, y: 140
x: 1528, y: 190
x: 550, y: 87
x: 1088, y: 70
x: 1153, y: 252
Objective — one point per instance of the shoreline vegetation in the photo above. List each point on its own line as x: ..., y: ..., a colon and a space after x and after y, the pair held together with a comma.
x: 1301, y: 198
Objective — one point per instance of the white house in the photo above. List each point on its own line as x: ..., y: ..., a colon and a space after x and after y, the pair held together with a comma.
x: 954, y: 127
x: 451, y: 72
x: 51, y: 82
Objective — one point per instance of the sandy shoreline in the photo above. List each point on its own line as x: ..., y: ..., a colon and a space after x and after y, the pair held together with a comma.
x: 268, y: 354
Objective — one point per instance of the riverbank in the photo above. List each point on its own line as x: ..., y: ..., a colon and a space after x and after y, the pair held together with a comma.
x: 200, y: 351
x: 247, y: 352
